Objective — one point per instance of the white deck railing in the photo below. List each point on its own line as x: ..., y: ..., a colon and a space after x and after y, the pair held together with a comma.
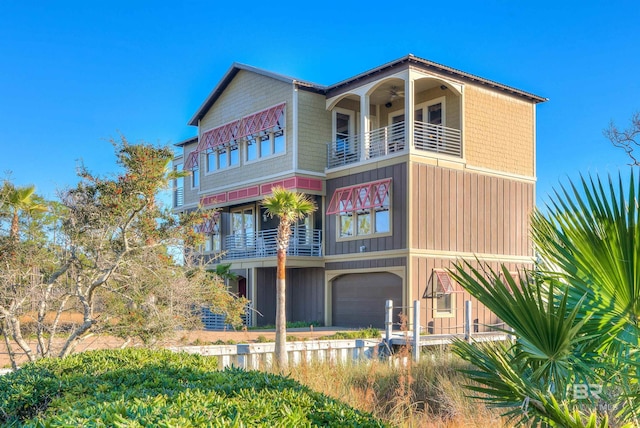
x: 392, y: 139
x: 303, y: 242
x: 438, y: 139
x: 256, y: 356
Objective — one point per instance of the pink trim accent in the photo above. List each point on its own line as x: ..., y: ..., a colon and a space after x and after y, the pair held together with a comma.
x: 359, y: 197
x: 260, y: 121
x: 247, y: 192
x: 213, y: 199
x: 293, y: 183
x: 218, y: 136
x: 192, y: 160
x: 248, y: 125
x: 446, y: 286
x: 262, y: 189
x: 209, y: 225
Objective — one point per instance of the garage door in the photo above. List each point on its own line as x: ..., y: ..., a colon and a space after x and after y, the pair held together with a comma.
x: 358, y: 300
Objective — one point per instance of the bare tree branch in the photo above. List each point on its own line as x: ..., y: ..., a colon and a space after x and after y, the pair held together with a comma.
x: 626, y: 139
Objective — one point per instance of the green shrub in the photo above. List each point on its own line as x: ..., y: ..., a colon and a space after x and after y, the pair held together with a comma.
x: 262, y: 339
x: 290, y: 324
x: 137, y: 387
x: 367, y: 333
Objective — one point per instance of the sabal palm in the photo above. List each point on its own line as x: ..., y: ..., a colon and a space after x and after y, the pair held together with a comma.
x: 578, y: 318
x: 288, y: 207
x: 591, y: 239
x: 17, y: 200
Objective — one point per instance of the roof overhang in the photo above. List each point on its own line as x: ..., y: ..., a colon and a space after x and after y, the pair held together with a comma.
x: 233, y: 71
x: 423, y: 64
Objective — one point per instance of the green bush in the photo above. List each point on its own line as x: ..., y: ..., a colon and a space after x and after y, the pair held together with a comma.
x: 137, y: 387
x: 367, y: 333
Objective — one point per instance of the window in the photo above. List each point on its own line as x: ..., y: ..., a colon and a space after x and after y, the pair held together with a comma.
x: 243, y: 227
x: 444, y: 305
x: 223, y: 157
x: 434, y: 115
x: 343, y: 132
x: 279, y: 143
x: 265, y: 146
x: 271, y: 143
x: 195, y: 178
x: 432, y: 112
x: 212, y: 161
x: 441, y: 290
x: 252, y: 150
x: 234, y: 155
x: 363, y: 210
x: 257, y: 135
x: 211, y: 230
x: 213, y: 242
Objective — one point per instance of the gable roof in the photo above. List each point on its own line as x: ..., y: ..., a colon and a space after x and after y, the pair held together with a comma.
x: 425, y: 64
x: 231, y: 73
x: 409, y: 59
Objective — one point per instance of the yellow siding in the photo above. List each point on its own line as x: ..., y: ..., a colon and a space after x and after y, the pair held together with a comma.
x: 314, y: 131
x: 248, y: 93
x: 498, y: 132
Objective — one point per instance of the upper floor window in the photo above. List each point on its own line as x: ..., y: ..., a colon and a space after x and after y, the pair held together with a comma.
x: 362, y: 210
x: 343, y: 131
x: 267, y: 144
x: 192, y: 163
x: 432, y: 112
x: 257, y: 135
x: 195, y: 177
x: 223, y: 157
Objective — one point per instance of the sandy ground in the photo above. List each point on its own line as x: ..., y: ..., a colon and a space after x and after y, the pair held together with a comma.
x: 181, y: 338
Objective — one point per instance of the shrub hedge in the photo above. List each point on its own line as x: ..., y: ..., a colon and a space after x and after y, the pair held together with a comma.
x: 138, y: 387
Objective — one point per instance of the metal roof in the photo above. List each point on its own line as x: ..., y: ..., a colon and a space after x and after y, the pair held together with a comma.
x: 409, y: 59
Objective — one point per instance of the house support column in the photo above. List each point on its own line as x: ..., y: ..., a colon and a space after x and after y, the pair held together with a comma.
x: 365, y: 127
x: 409, y: 111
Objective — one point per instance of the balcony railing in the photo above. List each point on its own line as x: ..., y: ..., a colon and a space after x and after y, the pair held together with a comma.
x: 303, y: 242
x: 439, y: 139
x: 343, y: 151
x: 391, y: 139
x: 383, y: 141
x: 178, y: 197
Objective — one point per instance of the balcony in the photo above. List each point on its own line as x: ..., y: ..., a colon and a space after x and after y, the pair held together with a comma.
x: 303, y: 242
x: 391, y: 139
x: 178, y: 197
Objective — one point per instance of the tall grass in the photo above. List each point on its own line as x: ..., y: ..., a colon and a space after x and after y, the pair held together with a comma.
x: 403, y: 393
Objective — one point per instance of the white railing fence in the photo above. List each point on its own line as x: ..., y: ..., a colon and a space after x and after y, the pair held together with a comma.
x: 259, y: 356
x: 413, y: 336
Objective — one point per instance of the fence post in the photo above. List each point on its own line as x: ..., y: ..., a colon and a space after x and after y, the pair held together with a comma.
x: 388, y: 321
x: 416, y: 330
x: 467, y: 320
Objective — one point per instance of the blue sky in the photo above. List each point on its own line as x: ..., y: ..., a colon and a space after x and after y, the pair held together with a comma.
x: 75, y: 74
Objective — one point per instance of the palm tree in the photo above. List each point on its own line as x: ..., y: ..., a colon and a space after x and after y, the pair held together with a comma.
x: 289, y: 207
x: 576, y: 319
x: 17, y: 200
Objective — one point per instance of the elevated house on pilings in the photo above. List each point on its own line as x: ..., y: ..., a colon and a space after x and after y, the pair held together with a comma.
x: 413, y: 165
